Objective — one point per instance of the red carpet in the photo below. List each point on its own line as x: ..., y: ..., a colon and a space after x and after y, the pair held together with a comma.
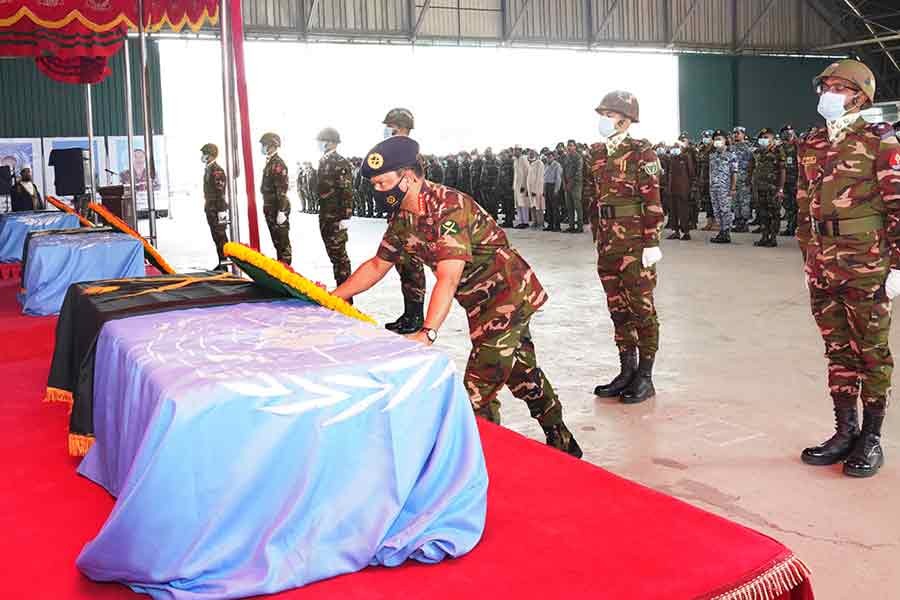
x: 557, y: 528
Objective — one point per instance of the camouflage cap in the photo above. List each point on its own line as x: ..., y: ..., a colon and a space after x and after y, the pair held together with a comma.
x: 396, y: 152
x: 739, y: 129
x: 706, y: 133
x: 270, y: 139
x: 329, y: 134
x: 764, y: 131
x: 210, y: 149
x: 621, y: 102
x: 853, y: 71
x: 684, y: 136
x: 399, y: 117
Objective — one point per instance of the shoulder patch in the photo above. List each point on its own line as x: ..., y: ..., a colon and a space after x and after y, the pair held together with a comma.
x: 894, y: 160
x: 449, y: 227
x: 652, y: 168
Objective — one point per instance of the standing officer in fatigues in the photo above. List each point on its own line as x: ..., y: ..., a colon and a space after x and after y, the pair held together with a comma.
x: 849, y: 234
x: 451, y: 171
x: 626, y: 219
x: 789, y: 146
x: 490, y: 175
x: 722, y: 183
x: 505, y: 182
x: 743, y: 152
x: 335, y: 202
x: 464, y: 174
x: 475, y: 176
x: 473, y: 263
x: 435, y: 170
x: 276, y: 206
x: 399, y: 121
x: 703, y: 201
x: 768, y: 175
x: 573, y: 184
x: 214, y: 204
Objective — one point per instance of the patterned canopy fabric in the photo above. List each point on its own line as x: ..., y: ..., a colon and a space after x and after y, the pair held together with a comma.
x: 72, y: 40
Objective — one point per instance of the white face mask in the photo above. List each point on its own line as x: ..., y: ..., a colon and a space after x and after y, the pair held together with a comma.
x: 831, y: 106
x: 706, y: 140
x: 388, y: 132
x: 719, y: 143
x: 204, y: 159
x: 676, y: 151
x: 763, y: 142
x: 323, y: 147
x: 264, y: 149
x: 606, y: 126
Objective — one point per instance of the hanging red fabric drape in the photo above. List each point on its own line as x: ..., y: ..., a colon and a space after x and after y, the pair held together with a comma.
x: 237, y: 36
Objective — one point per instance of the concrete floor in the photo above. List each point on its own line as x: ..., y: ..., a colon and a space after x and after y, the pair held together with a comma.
x: 740, y: 379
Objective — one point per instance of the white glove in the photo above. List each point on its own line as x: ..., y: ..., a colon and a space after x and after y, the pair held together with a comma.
x: 223, y: 217
x: 651, y: 257
x: 281, y: 218
x: 344, y: 224
x: 892, y: 284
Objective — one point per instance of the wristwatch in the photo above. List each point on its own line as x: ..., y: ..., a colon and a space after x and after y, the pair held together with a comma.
x: 431, y: 334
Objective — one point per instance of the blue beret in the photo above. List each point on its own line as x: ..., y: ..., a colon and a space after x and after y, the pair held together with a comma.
x: 396, y: 152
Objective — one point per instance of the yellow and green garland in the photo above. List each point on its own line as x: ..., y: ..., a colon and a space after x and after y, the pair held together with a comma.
x: 279, y: 277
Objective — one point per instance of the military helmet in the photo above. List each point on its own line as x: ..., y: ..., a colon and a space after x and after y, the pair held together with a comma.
x: 400, y: 117
x: 210, y: 149
x: 329, y: 134
x: 270, y: 139
x: 853, y: 71
x: 621, y: 102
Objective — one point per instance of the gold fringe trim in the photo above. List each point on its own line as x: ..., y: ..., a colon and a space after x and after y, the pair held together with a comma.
x: 776, y: 581
x: 68, y: 209
x: 293, y: 279
x: 76, y: 15
x: 57, y: 395
x: 122, y: 226
x: 80, y: 444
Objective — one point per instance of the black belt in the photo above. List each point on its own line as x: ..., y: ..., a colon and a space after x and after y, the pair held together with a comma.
x: 608, y: 211
x: 838, y: 227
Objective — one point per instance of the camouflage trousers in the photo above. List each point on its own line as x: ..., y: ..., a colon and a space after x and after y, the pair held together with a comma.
x: 335, y: 240
x: 508, y: 359
x: 854, y: 324
x: 769, y: 210
x: 218, y: 231
x: 790, y: 205
x: 281, y: 234
x: 629, y: 296
x: 742, y: 198
x: 412, y: 279
x: 574, y: 208
x: 721, y: 204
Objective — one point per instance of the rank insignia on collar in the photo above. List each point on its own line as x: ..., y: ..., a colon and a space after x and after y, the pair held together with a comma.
x: 449, y: 228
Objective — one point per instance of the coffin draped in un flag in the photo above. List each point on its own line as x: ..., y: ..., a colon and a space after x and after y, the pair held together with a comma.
x: 14, y: 227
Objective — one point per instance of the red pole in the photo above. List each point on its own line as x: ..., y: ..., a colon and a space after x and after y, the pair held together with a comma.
x: 237, y: 36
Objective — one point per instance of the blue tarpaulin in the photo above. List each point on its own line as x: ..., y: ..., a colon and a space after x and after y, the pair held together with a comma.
x: 57, y: 261
x: 14, y: 227
x: 259, y: 447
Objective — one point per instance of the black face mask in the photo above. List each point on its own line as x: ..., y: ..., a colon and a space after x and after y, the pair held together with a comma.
x: 391, y: 198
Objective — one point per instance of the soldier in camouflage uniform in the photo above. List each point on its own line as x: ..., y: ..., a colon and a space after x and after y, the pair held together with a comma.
x: 475, y: 176
x: 451, y: 171
x: 790, y: 145
x: 276, y: 206
x: 505, y: 191
x: 703, y: 200
x: 335, y: 202
x: 435, y: 170
x: 849, y: 234
x: 464, y: 174
x: 722, y: 183
x: 767, y: 174
x: 473, y: 262
x: 312, y: 183
x: 626, y: 220
x: 490, y: 176
x: 573, y: 185
x: 743, y: 152
x: 214, y: 204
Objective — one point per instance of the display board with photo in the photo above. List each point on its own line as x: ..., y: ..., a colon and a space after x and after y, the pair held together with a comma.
x: 118, y: 163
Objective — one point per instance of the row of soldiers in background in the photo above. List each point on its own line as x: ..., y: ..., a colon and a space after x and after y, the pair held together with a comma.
x: 520, y: 188
x: 737, y: 183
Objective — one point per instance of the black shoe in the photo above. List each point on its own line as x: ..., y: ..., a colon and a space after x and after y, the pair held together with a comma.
x: 762, y: 242
x: 413, y: 318
x: 837, y: 447
x: 686, y: 237
x: 867, y: 456
x: 723, y: 238
x: 559, y: 437
x: 758, y: 230
x: 221, y: 267
x: 395, y: 325
x: 521, y: 226
x: 627, y: 371
x: 674, y: 236
x: 507, y: 225
x: 772, y: 243
x: 641, y: 387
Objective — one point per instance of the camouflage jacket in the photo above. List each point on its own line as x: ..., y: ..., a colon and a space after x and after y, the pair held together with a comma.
x: 463, y: 177
x: 498, y: 288
x: 475, y: 174
x: 791, y: 166
x: 573, y: 171
x: 858, y: 176
x: 630, y: 176
x: 507, y: 173
x: 743, y: 152
x: 721, y: 166
x: 274, y: 184
x: 214, y: 183
x: 335, y: 187
x: 766, y: 168
x: 490, y: 174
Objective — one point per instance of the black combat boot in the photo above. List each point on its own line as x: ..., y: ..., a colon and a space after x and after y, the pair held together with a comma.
x: 838, y: 446
x: 686, y: 237
x: 412, y: 319
x: 559, y: 437
x: 641, y: 387
x: 723, y: 238
x: 674, y: 236
x: 867, y: 456
x: 627, y: 371
x: 763, y: 241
